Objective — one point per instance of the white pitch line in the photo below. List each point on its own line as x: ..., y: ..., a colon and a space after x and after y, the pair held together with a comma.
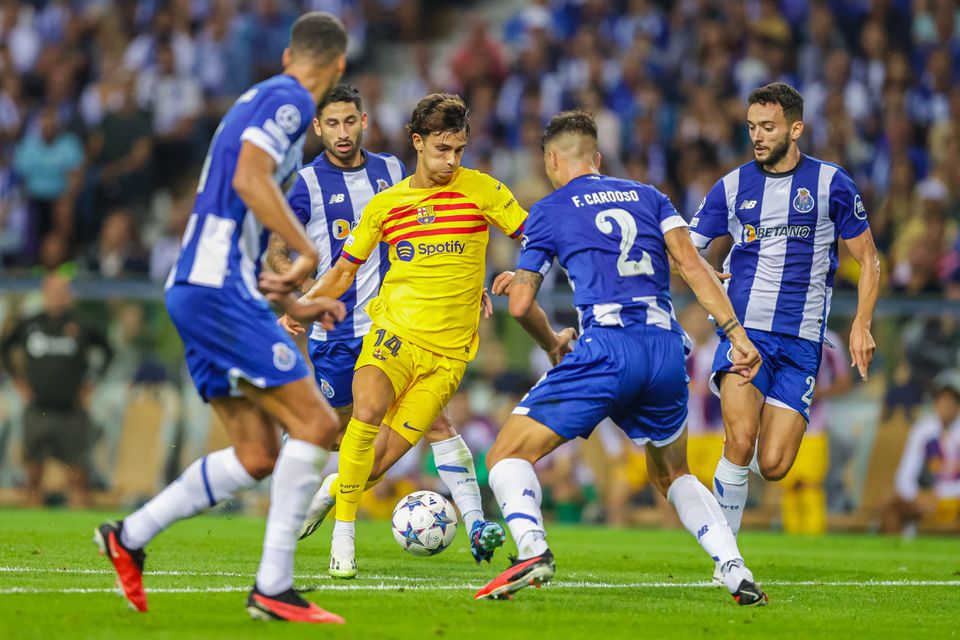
x: 470, y: 587
x: 197, y: 574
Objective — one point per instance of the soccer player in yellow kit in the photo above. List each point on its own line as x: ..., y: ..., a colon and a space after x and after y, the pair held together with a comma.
x: 426, y: 317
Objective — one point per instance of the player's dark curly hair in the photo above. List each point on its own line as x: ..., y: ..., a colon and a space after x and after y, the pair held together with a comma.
x: 319, y: 35
x: 439, y: 113
x: 782, y: 94
x: 576, y: 121
x: 341, y: 93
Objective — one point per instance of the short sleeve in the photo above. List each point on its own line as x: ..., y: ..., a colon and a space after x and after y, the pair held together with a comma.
x: 366, y: 236
x: 846, y: 206
x: 710, y: 220
x: 537, y: 249
x: 501, y: 209
x: 279, y: 119
x: 299, y: 200
x: 667, y: 215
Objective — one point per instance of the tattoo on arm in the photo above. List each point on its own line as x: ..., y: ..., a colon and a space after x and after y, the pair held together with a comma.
x: 729, y: 326
x: 278, y: 254
x: 532, y: 278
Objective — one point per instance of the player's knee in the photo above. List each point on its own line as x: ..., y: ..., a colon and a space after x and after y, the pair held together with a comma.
x: 738, y: 448
x: 257, y: 461
x: 774, y: 467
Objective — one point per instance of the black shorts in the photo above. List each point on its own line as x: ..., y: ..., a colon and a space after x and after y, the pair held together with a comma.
x: 59, y: 433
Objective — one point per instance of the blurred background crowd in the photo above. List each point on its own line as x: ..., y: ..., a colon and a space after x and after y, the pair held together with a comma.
x: 107, y: 106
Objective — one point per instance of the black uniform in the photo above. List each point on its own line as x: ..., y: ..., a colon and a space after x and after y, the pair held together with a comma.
x: 56, y: 364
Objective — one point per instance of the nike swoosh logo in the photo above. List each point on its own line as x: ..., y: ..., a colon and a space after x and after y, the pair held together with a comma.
x: 407, y: 425
x: 347, y: 490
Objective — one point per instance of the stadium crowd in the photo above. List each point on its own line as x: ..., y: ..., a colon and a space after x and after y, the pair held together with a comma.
x: 107, y: 106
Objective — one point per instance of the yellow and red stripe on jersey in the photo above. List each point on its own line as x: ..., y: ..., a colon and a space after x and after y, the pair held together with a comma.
x: 438, y: 240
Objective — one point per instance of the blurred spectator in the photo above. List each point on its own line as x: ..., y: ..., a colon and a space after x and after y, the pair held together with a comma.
x: 479, y: 59
x: 118, y: 252
x: 175, y: 100
x: 928, y: 477
x: 14, y: 215
x: 166, y: 249
x: 50, y: 163
x: 48, y: 356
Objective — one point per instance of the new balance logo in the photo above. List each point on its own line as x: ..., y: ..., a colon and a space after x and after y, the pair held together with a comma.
x: 529, y: 492
x: 337, y: 198
x: 747, y: 205
x: 702, y: 532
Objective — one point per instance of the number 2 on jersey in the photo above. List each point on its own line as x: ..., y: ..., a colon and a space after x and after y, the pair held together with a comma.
x: 628, y: 235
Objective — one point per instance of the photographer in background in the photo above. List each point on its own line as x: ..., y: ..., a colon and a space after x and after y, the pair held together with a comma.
x: 48, y: 357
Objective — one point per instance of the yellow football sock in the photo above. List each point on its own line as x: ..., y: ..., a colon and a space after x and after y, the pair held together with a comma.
x: 335, y: 485
x: 356, y: 463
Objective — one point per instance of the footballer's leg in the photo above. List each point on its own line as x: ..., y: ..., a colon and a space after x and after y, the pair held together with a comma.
x: 701, y: 516
x: 205, y: 483
x: 520, y: 444
x: 312, y: 428
x: 454, y: 463
x: 740, y: 405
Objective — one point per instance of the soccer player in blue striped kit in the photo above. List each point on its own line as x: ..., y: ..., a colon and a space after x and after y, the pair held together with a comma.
x: 241, y: 362
x: 785, y: 211
x: 328, y: 198
x: 613, y: 237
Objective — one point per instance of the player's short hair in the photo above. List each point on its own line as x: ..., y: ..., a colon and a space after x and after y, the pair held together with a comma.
x: 782, y: 94
x: 439, y: 113
x: 341, y: 93
x: 318, y: 35
x: 577, y: 121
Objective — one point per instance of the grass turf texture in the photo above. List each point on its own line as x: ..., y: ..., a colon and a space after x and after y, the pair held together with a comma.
x: 44, y: 554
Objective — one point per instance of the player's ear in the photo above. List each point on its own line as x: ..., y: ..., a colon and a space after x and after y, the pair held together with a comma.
x: 363, y: 121
x: 316, y: 125
x: 597, y: 159
x: 417, y: 142
x: 796, y: 130
x: 285, y: 58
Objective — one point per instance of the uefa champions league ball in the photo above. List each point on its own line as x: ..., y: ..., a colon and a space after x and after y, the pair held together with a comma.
x: 424, y: 523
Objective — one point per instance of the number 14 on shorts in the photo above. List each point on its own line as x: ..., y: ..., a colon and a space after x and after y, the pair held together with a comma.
x: 391, y: 344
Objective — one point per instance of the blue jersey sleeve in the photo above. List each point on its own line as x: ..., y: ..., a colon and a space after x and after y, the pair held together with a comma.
x: 846, y: 206
x: 279, y: 119
x: 668, y: 216
x: 299, y: 200
x: 710, y: 220
x: 537, y: 249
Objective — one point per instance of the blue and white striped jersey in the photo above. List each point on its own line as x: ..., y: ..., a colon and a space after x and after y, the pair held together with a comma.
x: 607, y: 233
x: 785, y: 228
x: 329, y: 200
x: 224, y: 242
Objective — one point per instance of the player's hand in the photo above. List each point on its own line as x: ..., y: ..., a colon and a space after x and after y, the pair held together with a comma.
x: 562, y: 345
x: 745, y: 357
x: 291, y: 326
x: 486, y: 305
x: 302, y: 268
x: 501, y: 284
x: 326, y: 311
x: 721, y: 276
x: 862, y: 347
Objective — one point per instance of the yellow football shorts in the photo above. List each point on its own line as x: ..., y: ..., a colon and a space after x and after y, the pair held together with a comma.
x: 423, y: 381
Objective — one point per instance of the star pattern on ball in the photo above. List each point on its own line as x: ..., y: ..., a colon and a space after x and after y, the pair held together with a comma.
x: 441, y: 520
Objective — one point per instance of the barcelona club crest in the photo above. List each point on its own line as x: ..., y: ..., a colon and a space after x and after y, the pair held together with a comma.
x: 803, y: 203
x: 379, y: 354
x: 425, y: 214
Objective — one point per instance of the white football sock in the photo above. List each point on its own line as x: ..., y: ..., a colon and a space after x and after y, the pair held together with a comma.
x: 455, y: 465
x: 344, y: 534
x: 206, y: 482
x: 518, y: 492
x: 702, y: 517
x: 296, y: 477
x: 730, y: 490
x: 754, y: 463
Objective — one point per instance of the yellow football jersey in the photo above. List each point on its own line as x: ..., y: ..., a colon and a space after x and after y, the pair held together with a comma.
x: 438, y: 244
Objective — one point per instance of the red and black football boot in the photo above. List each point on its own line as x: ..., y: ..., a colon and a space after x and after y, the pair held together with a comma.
x: 531, y: 572
x: 128, y: 563
x: 288, y: 606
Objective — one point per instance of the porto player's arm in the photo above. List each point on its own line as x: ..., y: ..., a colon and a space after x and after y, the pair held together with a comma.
x: 862, y: 345
x: 706, y: 286
x: 531, y: 316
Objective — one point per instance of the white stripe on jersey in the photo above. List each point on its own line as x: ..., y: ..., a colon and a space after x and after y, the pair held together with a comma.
x: 655, y: 315
x: 607, y: 314
x: 775, y: 212
x: 813, y: 319
x: 209, y: 266
x: 260, y: 139
x: 319, y: 233
x: 187, y: 236
x: 731, y: 187
x: 250, y: 235
x: 368, y: 276
x: 394, y: 168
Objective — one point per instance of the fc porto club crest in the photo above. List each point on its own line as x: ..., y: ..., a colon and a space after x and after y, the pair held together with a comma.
x: 803, y: 203
x: 425, y: 214
x: 326, y: 388
x: 284, y: 358
x: 382, y: 185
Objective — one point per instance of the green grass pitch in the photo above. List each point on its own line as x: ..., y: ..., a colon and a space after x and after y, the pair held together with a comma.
x: 609, y: 584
